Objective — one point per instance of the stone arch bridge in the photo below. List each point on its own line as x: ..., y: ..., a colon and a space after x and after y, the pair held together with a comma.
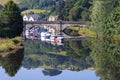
x: 59, y: 26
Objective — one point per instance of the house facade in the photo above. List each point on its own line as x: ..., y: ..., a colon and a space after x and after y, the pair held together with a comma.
x: 31, y: 17
x: 53, y: 18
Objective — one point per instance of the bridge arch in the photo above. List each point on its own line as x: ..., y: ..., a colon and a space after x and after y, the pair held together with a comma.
x: 57, y: 25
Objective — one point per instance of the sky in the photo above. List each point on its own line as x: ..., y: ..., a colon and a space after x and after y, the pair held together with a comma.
x: 36, y: 74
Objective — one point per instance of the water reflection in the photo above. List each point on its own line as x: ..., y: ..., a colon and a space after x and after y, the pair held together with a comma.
x: 45, y: 61
x: 106, y: 54
x: 51, y: 72
x: 11, y: 61
x: 73, y: 55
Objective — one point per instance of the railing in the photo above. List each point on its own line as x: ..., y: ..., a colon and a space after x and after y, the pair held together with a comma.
x: 55, y: 22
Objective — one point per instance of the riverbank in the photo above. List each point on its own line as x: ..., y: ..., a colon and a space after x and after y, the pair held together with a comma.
x: 78, y: 31
x: 88, y: 32
x: 7, y: 44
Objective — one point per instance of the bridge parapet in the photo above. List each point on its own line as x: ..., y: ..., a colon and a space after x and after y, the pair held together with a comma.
x: 57, y: 25
x: 55, y: 22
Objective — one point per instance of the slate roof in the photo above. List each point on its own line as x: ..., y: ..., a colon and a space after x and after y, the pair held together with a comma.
x: 34, y: 16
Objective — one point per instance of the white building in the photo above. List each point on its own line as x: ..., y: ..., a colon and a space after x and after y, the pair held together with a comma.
x: 53, y: 18
x: 31, y: 17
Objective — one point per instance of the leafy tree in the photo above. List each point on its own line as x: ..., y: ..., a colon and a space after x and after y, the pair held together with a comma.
x: 68, y: 5
x: 73, y: 9
x: 101, y: 10
x: 113, y: 22
x: 74, y: 13
x: 65, y: 9
x: 12, y: 20
x: 61, y: 7
x: 85, y: 15
x: 106, y: 53
x: 37, y: 4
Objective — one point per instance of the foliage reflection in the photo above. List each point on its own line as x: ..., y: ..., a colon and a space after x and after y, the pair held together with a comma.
x: 12, y: 61
x: 106, y: 54
x: 73, y: 55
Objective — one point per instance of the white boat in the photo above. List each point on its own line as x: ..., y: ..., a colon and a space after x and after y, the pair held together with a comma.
x: 46, y: 36
x: 56, y: 38
x: 43, y: 36
x: 60, y: 38
x: 52, y: 38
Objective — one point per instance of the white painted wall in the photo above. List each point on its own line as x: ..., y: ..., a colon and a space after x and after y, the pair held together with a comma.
x: 25, y: 18
x: 31, y: 19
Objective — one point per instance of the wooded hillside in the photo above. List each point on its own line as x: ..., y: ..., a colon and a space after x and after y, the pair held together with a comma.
x: 73, y: 10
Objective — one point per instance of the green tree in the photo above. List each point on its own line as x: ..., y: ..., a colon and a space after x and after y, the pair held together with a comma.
x: 74, y: 13
x: 113, y: 22
x: 60, y: 10
x: 12, y: 23
x: 73, y: 9
x: 106, y: 53
x: 68, y: 5
x: 100, y: 12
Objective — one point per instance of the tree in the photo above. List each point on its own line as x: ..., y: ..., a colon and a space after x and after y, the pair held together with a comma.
x: 60, y: 10
x: 12, y: 23
x: 68, y: 5
x: 74, y: 13
x: 113, y: 22
x: 100, y: 12
x: 105, y: 53
x: 73, y: 9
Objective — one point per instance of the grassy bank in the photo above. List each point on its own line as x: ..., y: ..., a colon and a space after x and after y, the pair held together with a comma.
x: 10, y: 44
x: 88, y: 32
x: 36, y: 11
x: 78, y: 31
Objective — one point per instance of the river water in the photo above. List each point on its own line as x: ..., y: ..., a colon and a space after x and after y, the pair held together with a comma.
x: 81, y: 59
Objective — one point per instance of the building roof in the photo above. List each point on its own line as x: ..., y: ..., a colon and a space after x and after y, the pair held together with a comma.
x: 54, y: 16
x: 34, y: 16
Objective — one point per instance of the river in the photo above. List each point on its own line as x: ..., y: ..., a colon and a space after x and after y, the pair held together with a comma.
x: 83, y: 59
